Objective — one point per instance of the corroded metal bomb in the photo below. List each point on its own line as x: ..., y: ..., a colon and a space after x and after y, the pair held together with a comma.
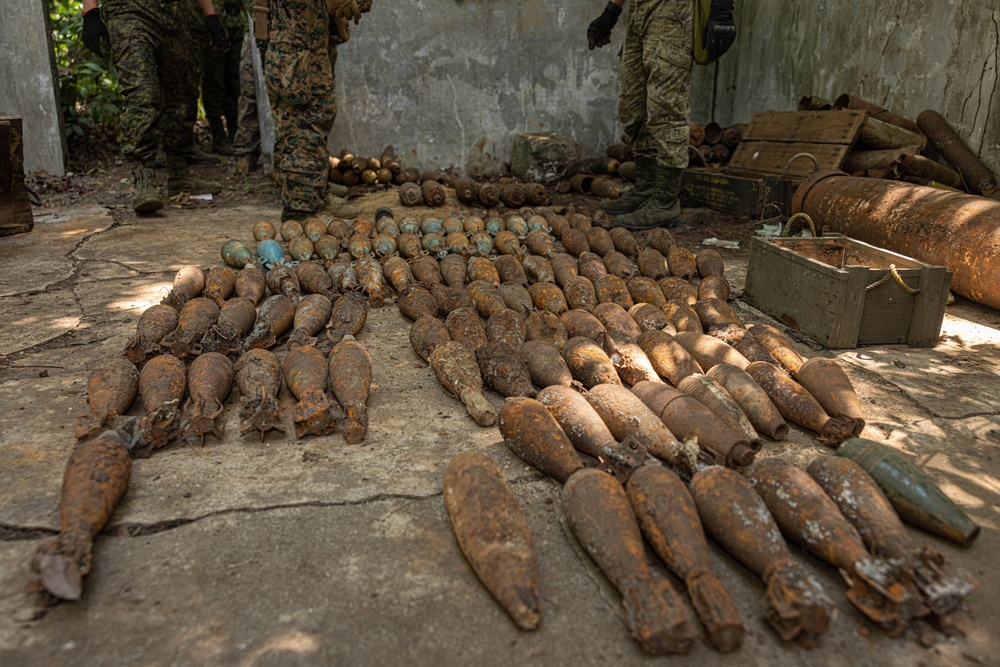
x: 669, y: 359
x: 455, y: 367
x: 236, y: 320
x: 753, y: 401
x: 307, y: 376
x: 154, y: 323
x: 161, y: 387
x: 274, y: 319
x: 830, y: 386
x: 426, y: 334
x: 779, y: 346
x: 503, y: 370
x: 712, y: 395
x: 251, y: 284
x: 259, y: 378
x: 350, y: 368
x: 210, y: 379
x: 111, y: 390
x: 578, y: 419
x: 348, y: 318
x: 709, y: 351
x: 534, y: 435
x: 797, y: 405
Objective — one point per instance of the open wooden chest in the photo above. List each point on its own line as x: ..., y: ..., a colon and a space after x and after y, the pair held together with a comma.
x: 842, y: 293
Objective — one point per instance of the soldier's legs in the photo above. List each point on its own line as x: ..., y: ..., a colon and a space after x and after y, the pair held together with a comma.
x: 231, y: 79
x: 246, y: 143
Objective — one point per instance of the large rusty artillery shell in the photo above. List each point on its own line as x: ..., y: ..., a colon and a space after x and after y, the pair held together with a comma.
x: 612, y: 289
x: 111, y: 390
x: 537, y: 439
x: 509, y: 270
x: 717, y: 313
x: 188, y: 283
x: 489, y: 194
x: 714, y: 287
x: 409, y: 245
x: 753, y: 401
x: 154, y: 323
x: 669, y: 519
x: 410, y: 194
x: 624, y: 241
x: 797, y: 405
x: 397, y: 272
x: 196, y: 317
x: 301, y: 248
x: 94, y: 482
x: 457, y: 371
x: 161, y: 387
x: 236, y: 320
x: 512, y: 194
x: 601, y: 517
x: 426, y: 270
x: 709, y: 351
x: 631, y: 363
x: 661, y: 240
x: 369, y: 272
x: 713, y: 396
x: 580, y: 294
x: 578, y: 419
x: 547, y: 296
x: 485, y: 297
x: 350, y: 369
x: 588, y: 363
x: 591, y: 267
x: 709, y: 263
x: 219, y: 284
x: 581, y: 323
x: 626, y: 415
x: 736, y: 517
x: 646, y: 290
x: 916, y: 497
x: 977, y: 177
x: 830, y: 386
x: 453, y: 270
x: 451, y: 298
x: 543, y: 325
x: 652, y: 264
x: 343, y: 277
x: 493, y: 535
x: 327, y: 249
x: 274, y: 318
x: 650, y: 318
x: 668, y: 358
x: 811, y: 519
x: 426, y: 334
x: 599, y: 241
x: 259, y: 378
x: 503, y: 370
x: 535, y: 194
x: 339, y: 229
x: 779, y: 346
x: 506, y: 243
x: 210, y: 379
x: 687, y: 417
x: 506, y: 326
x: 350, y: 312
x: 314, y: 228
x: 682, y: 316
x: 307, y: 376
x: 575, y: 242
x: 516, y: 298
x: 416, y: 301
x: 863, y: 504
x: 465, y: 327
x: 264, y: 230
x: 619, y: 265
x: 538, y: 270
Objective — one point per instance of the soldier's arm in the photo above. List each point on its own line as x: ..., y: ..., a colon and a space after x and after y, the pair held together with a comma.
x: 88, y: 5
x: 207, y: 7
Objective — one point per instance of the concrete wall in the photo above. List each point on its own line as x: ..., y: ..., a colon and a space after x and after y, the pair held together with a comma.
x: 27, y: 88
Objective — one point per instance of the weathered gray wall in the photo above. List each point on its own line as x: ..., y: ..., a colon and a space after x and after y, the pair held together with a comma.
x: 26, y: 85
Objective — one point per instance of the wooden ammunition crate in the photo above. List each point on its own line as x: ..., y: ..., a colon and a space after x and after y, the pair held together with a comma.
x: 15, y: 209
x: 840, y: 291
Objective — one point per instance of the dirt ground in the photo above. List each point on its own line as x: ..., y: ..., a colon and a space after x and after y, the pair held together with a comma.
x: 315, y: 552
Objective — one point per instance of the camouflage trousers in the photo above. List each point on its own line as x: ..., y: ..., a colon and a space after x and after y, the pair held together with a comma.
x: 220, y: 79
x: 655, y: 79
x: 247, y: 139
x: 150, y: 48
x: 299, y: 69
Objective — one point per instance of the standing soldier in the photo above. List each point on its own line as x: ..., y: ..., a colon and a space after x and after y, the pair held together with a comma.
x: 150, y: 42
x: 653, y: 97
x: 220, y: 80
x: 246, y: 143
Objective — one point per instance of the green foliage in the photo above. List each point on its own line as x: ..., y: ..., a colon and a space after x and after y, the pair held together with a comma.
x: 88, y: 84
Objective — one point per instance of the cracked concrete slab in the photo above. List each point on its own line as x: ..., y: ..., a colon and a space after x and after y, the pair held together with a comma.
x: 33, y: 319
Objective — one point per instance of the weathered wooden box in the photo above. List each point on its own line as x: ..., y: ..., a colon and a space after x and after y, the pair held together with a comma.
x: 15, y: 209
x: 840, y: 291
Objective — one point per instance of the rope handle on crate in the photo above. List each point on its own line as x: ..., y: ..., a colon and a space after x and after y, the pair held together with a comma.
x: 800, y: 216
x: 784, y: 172
x: 894, y: 274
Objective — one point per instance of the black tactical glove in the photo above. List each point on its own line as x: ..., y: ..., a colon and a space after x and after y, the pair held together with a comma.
x: 720, y: 30
x: 599, y: 32
x: 95, y: 33
x: 216, y: 30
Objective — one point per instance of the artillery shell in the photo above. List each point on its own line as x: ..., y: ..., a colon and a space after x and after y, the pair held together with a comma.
x: 397, y: 272
x: 668, y: 358
x: 808, y: 517
x: 358, y: 246
x: 416, y: 302
x: 339, y: 229
x: 426, y: 334
x: 290, y: 229
x: 546, y: 296
x: 559, y: 224
x: 629, y: 360
x: 682, y: 316
x: 161, y: 387
x: 386, y: 225
x: 779, y: 346
x: 220, y: 284
x: 538, y: 270
x: 409, y: 225
x: 612, y: 289
x: 473, y: 224
x: 669, y: 519
x: 369, y: 272
x: 282, y: 280
x: 111, y: 390
x: 753, y: 400
x: 617, y: 322
x: 274, y: 319
x: 409, y: 245
x: 580, y: 294
x: 599, y: 241
x: 661, y: 240
x: 578, y: 419
x: 486, y: 297
x: 535, y: 194
x: 588, y: 363
x: 646, y: 290
x: 564, y: 268
x: 264, y: 230
x: 465, y: 327
x: 506, y: 243
x: 681, y: 262
x: 457, y: 371
x: 506, y: 326
x: 510, y: 270
x: 543, y: 325
x: 457, y: 242
x: 270, y: 254
x: 236, y: 319
x: 312, y: 314
x: 601, y: 518
x: 740, y: 340
x: 591, y: 267
x: 482, y: 269
x: 797, y: 405
x: 301, y: 248
x: 210, y: 379
x: 327, y: 248
x: 709, y: 263
x: 516, y: 225
x: 512, y: 194
x: 350, y: 313
x: 537, y: 439
x: 307, y: 376
x: 676, y: 289
x: 426, y: 270
x: 433, y: 244
x: 350, y: 368
x: 580, y: 221
x: 410, y: 194
x: 709, y: 351
x: 493, y: 535
x: 516, y: 297
x: 196, y: 317
x: 575, y: 242
x: 434, y: 193
x: 259, y: 378
x: 830, y: 386
x: 713, y: 396
x: 861, y: 501
x: 717, y: 313
x: 503, y: 370
x: 624, y: 241
x: 619, y: 265
x: 650, y: 318
x: 154, y: 323
x: 94, y: 482
x: 250, y: 284
x: 652, y: 264
x: 451, y: 298
x: 313, y: 279
x: 714, y: 287
x: 736, y: 517
x: 495, y: 225
x: 453, y: 270
x: 314, y: 228
x: 188, y: 283
x: 540, y: 243
x: 466, y: 190
x: 489, y: 194
x: 581, y: 323
x: 385, y: 245
x: 362, y: 227
x: 546, y: 365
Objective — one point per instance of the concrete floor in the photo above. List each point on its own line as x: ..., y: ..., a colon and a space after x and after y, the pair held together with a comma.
x: 314, y: 552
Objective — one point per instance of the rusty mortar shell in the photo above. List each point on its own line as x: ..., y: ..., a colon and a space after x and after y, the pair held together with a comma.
x: 489, y: 194
x: 466, y: 190
x: 580, y: 183
x: 778, y: 345
x: 829, y: 384
x: 713, y: 396
x: 607, y: 187
x: 536, y: 194
x: 410, y: 194
x: 512, y: 194
x: 754, y: 401
x: 536, y: 438
x: 978, y: 178
x: 433, y: 193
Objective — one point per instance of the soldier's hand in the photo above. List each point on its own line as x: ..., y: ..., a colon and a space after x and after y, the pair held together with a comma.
x: 216, y: 30
x: 720, y: 29
x: 95, y: 33
x: 599, y: 32
x: 348, y: 10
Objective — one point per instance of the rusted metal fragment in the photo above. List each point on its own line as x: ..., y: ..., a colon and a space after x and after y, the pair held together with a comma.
x: 455, y: 366
x: 111, y: 390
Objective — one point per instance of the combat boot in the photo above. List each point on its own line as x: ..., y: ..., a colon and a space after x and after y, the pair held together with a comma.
x: 179, y: 180
x: 146, y: 198
x: 246, y: 164
x: 335, y: 207
x: 336, y: 189
x: 221, y: 143
x: 663, y: 209
x: 639, y: 194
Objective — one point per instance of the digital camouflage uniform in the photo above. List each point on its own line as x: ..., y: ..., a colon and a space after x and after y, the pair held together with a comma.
x: 299, y: 69
x: 247, y: 140
x: 655, y: 79
x: 220, y: 81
